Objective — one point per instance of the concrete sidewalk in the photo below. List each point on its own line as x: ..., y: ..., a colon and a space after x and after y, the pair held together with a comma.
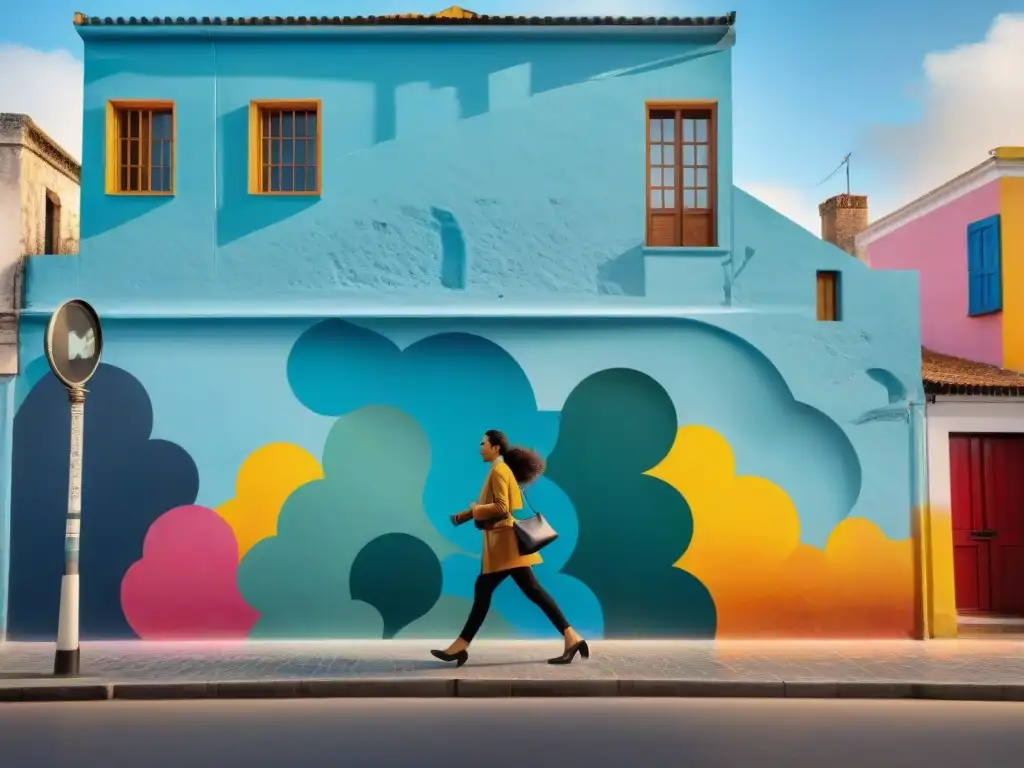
x: 983, y: 670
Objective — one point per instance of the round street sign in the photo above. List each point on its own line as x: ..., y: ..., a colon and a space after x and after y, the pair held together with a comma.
x: 73, y: 342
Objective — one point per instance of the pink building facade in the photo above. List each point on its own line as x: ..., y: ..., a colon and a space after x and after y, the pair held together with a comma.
x: 931, y: 235
x: 966, y: 242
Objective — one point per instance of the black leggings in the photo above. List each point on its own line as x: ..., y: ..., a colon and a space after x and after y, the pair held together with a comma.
x: 486, y: 583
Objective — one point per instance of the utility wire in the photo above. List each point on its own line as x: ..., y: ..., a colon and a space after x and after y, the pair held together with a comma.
x: 844, y: 163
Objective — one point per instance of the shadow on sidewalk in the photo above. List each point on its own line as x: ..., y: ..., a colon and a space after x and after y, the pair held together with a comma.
x: 520, y: 663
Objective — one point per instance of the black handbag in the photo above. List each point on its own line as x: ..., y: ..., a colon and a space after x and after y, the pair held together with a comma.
x: 534, y: 533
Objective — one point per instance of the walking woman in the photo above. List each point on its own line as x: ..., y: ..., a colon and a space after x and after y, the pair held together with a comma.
x: 492, y: 513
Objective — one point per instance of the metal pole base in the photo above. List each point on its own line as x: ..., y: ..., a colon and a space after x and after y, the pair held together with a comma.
x: 66, y: 663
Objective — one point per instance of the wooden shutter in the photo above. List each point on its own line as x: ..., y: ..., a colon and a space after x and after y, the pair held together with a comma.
x: 828, y: 295
x: 992, y: 267
x: 984, y: 267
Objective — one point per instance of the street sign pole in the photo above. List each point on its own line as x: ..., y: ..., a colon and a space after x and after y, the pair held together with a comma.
x: 67, y: 661
x: 73, y: 344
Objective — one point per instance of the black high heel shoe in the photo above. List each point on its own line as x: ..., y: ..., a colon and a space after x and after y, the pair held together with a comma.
x: 459, y: 658
x: 566, y: 658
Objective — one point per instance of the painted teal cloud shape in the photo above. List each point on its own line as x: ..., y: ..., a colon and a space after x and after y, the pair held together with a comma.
x: 375, y: 462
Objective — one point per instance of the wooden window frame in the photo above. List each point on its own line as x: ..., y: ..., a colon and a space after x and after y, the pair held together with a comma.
x: 711, y: 107
x: 51, y: 226
x: 256, y: 108
x: 113, y: 148
x: 829, y: 285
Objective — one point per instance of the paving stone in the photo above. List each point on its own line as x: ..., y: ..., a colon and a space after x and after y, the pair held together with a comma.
x: 958, y: 691
x: 564, y: 688
x: 1013, y: 693
x: 164, y: 691
x: 84, y: 692
x: 391, y: 689
x: 875, y: 690
x: 483, y: 688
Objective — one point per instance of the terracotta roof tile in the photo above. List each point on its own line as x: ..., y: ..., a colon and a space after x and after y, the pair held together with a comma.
x: 447, y: 17
x: 948, y: 375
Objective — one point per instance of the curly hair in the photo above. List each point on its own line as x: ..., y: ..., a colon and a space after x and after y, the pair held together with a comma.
x: 526, y: 465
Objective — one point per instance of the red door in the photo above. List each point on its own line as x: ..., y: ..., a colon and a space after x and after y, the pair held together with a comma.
x: 1003, y: 461
x: 970, y: 554
x: 987, y: 474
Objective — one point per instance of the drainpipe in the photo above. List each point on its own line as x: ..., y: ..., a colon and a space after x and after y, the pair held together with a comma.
x: 921, y: 515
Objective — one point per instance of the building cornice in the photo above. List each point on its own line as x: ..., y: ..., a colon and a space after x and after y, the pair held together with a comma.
x: 27, y: 134
x: 722, y: 36
x: 981, y: 175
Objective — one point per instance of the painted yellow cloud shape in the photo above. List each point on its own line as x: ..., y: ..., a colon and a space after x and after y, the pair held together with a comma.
x: 746, y: 550
x: 742, y: 524
x: 265, y: 481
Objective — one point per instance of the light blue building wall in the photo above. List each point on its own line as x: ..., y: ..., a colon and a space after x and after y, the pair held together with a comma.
x: 294, y: 386
x: 433, y: 144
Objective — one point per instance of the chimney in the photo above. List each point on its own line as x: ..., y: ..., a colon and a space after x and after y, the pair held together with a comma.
x: 843, y: 217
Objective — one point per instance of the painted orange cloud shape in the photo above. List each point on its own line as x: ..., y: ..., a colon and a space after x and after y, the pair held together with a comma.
x: 266, y: 479
x: 746, y: 550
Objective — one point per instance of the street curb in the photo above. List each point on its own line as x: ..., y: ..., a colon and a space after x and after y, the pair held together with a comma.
x: 434, y: 688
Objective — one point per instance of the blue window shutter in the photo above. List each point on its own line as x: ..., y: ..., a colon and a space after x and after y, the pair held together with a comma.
x: 974, y: 253
x: 993, y: 267
x: 984, y: 267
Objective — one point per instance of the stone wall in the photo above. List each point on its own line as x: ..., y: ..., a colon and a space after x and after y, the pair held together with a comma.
x: 10, y: 253
x: 32, y: 167
x: 843, y: 217
x: 47, y: 168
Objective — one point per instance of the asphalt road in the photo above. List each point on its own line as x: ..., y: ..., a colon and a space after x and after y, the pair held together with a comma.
x: 589, y: 733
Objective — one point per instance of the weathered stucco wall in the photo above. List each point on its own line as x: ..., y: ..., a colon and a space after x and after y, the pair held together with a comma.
x: 10, y: 216
x: 10, y: 255
x: 38, y: 176
x: 31, y: 165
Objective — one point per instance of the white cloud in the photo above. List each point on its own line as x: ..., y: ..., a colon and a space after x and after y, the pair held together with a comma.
x: 973, y: 101
x: 46, y: 86
x: 796, y: 204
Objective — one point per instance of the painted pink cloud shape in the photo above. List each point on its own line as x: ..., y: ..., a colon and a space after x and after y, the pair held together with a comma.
x: 185, y: 586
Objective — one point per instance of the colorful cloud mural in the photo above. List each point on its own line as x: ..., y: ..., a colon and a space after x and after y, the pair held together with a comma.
x: 396, y: 573
x: 266, y: 480
x: 616, y: 424
x: 730, y: 385
x: 358, y: 543
x: 746, y: 549
x: 185, y: 586
x: 129, y: 480
x: 455, y: 386
x: 376, y: 460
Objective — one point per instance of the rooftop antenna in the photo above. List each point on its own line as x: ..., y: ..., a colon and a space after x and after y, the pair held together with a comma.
x: 845, y: 163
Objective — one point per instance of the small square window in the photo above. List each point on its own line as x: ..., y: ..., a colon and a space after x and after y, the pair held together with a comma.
x: 140, y: 148
x: 285, y: 148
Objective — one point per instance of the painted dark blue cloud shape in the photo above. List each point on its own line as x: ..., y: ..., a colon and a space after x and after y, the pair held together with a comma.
x: 30, y: 375
x: 456, y: 386
x: 128, y: 481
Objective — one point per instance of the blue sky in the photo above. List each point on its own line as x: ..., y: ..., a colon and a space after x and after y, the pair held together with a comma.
x: 889, y: 80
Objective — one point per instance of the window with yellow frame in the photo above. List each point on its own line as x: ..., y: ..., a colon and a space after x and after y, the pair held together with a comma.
x: 140, y: 148
x: 284, y: 148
